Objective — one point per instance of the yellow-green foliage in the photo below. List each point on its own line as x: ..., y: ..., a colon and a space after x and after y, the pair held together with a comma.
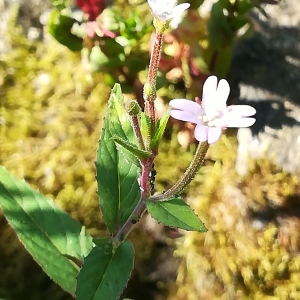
x: 51, y: 115
x: 51, y: 118
x: 250, y: 249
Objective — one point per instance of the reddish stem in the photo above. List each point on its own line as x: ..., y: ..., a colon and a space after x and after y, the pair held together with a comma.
x: 152, y: 75
x: 140, y: 207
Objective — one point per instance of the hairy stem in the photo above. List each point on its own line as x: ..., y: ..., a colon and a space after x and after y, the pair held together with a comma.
x: 140, y: 207
x: 137, y: 131
x: 188, y: 175
x: 150, y: 94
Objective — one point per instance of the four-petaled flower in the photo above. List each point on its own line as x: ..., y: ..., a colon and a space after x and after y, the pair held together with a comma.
x: 165, y: 10
x: 212, y: 115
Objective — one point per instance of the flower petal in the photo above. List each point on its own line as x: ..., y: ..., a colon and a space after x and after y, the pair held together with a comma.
x: 165, y: 10
x: 187, y: 105
x: 214, y: 134
x: 240, y: 110
x: 201, y: 132
x: 209, y: 91
x: 239, y: 122
x: 222, y: 94
x: 179, y: 9
x: 184, y: 116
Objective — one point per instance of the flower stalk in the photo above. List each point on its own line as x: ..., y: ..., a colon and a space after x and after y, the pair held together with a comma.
x: 188, y: 175
x: 140, y: 208
x: 150, y: 86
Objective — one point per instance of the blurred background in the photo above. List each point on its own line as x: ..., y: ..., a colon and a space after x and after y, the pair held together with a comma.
x: 58, y: 62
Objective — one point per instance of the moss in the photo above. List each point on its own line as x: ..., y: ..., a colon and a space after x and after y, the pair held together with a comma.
x: 253, y: 232
x: 51, y: 118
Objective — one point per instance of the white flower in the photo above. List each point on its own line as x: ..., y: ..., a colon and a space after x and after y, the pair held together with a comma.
x: 212, y: 115
x: 165, y: 10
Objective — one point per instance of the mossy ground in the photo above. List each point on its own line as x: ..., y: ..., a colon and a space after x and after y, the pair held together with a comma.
x: 251, y: 248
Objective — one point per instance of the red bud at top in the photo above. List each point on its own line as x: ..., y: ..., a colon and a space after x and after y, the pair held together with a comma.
x: 93, y: 8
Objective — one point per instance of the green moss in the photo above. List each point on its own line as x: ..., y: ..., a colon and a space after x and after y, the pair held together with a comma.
x: 51, y: 119
x: 253, y: 232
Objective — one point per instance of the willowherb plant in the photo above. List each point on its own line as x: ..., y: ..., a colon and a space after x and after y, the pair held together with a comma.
x: 100, y: 268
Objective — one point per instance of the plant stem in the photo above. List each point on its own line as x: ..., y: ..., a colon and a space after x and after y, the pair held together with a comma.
x: 188, y: 175
x: 150, y: 96
x: 140, y: 208
x: 137, y: 131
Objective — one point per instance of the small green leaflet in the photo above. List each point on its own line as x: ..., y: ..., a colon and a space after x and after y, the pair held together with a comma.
x: 141, y: 154
x: 161, y: 126
x: 175, y: 213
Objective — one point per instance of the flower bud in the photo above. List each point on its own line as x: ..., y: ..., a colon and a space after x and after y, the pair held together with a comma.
x: 133, y: 108
x: 149, y: 91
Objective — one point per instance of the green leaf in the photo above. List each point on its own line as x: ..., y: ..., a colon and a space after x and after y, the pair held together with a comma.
x: 175, y: 213
x: 60, y: 26
x: 117, y: 175
x: 141, y: 154
x: 222, y: 61
x: 48, y: 233
x: 195, y: 4
x: 219, y: 31
x: 226, y: 4
x: 238, y: 22
x: 102, y: 62
x: 105, y: 271
x: 120, y: 123
x: 145, y: 128
x: 244, y: 6
x: 161, y: 126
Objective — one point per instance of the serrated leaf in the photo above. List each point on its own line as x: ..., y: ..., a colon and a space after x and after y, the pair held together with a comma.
x: 161, y: 126
x: 105, y: 271
x: 141, y: 154
x: 175, y: 213
x: 48, y: 233
x: 117, y: 175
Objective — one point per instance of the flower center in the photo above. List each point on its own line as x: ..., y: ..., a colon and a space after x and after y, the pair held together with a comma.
x: 212, y: 119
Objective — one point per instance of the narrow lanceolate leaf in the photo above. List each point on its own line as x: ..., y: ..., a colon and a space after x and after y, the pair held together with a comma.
x: 146, y: 128
x: 117, y: 174
x: 141, y: 154
x: 161, y: 126
x: 105, y: 271
x: 175, y: 213
x: 120, y: 123
x: 48, y: 233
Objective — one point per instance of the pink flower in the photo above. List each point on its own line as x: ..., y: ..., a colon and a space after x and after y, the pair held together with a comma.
x: 212, y: 115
